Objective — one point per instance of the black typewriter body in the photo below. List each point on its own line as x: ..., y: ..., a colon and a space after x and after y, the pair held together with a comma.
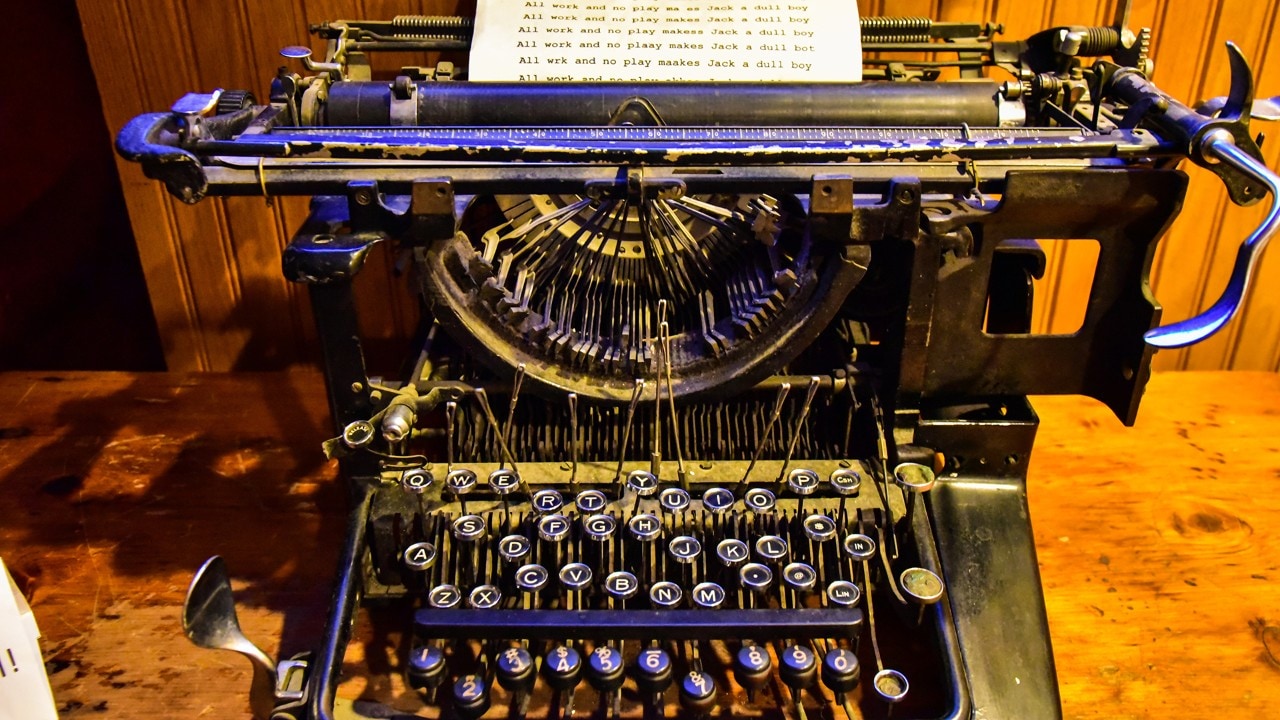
x: 718, y: 404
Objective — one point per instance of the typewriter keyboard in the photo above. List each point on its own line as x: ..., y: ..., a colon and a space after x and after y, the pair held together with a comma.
x: 638, y: 596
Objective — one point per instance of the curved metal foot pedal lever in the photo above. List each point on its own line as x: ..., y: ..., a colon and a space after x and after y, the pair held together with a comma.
x: 209, y: 620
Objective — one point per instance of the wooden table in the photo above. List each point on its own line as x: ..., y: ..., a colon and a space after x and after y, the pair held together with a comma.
x: 1159, y: 545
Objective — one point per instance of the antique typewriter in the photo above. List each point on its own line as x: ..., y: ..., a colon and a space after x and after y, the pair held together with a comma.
x: 718, y: 404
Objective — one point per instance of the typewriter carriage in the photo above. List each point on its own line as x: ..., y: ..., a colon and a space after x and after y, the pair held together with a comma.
x: 885, y: 276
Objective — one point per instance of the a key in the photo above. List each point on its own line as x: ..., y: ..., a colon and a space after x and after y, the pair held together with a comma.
x: 420, y: 556
x: 922, y: 586
x: 590, y: 502
x: 717, y: 499
x: 514, y: 670
x: 760, y: 500
x: 665, y: 594
x: 599, y: 527
x: 653, y: 674
x: 802, y: 482
x: 484, y: 597
x: 444, y: 596
x: 843, y: 593
x: 840, y: 671
x: 732, y: 552
x: 514, y: 548
x: 426, y: 668
x: 674, y: 500
x: 575, y: 576
x: 471, y: 696
x: 846, y: 482
x: 644, y: 527
x: 461, y: 482
x: 562, y: 668
x: 797, y: 667
x: 708, y: 595
x: 547, y: 501
x: 800, y: 576
x: 553, y: 528
x: 684, y: 549
x: 605, y: 670
x: 752, y: 666
x: 819, y: 528
x: 771, y: 548
x: 697, y: 693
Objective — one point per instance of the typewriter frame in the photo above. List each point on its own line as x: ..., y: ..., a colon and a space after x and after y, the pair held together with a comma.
x: 916, y: 195
x: 979, y: 508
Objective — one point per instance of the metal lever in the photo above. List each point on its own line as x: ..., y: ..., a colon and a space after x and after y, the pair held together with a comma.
x: 209, y: 620
x: 1218, y: 146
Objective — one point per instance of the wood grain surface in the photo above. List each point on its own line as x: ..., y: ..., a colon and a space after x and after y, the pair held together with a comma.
x: 1159, y: 545
x: 213, y: 269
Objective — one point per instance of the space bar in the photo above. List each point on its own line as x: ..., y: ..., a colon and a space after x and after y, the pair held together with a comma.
x: 636, y: 624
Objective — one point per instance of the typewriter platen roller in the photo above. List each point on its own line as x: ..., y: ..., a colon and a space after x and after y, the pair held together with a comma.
x: 718, y: 403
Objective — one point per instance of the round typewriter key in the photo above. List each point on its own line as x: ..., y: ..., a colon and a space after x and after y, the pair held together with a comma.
x: 531, y: 577
x: 752, y: 666
x: 554, y: 528
x: 504, y: 481
x: 590, y: 501
x: 924, y: 586
x: 605, y: 670
x: 914, y: 477
x: 718, y: 500
x: 797, y: 666
x: 444, y: 596
x: 484, y: 597
x: 800, y: 576
x: 802, y: 481
x: 575, y: 576
x: 843, y: 593
x: 469, y: 528
x: 420, y: 556
x: 514, y: 548
x: 621, y: 584
x: 665, y: 594
x: 562, y: 666
x: 859, y: 546
x: 698, y: 693
x: 755, y: 576
x: 642, y: 482
x: 653, y: 670
x: 644, y: 527
x: 461, y: 481
x: 819, y: 528
x: 547, y: 501
x: 760, y: 500
x: 708, y: 595
x: 840, y: 670
x: 674, y: 500
x: 416, y: 480
x: 732, y: 552
x: 471, y: 696
x: 514, y: 669
x: 358, y: 434
x: 771, y: 548
x: 684, y: 548
x: 891, y: 685
x: 426, y: 667
x: 846, y: 482
x: 599, y: 527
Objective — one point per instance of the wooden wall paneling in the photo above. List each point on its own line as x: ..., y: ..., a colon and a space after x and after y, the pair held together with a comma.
x: 270, y: 27
x: 1237, y: 222
x: 1258, y: 327
x: 109, y: 34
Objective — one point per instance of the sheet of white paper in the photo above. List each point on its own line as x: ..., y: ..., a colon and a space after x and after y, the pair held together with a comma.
x: 671, y: 40
x: 24, y: 687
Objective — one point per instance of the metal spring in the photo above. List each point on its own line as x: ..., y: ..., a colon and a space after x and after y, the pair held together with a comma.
x: 437, y: 24
x: 896, y: 29
x: 1099, y: 41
